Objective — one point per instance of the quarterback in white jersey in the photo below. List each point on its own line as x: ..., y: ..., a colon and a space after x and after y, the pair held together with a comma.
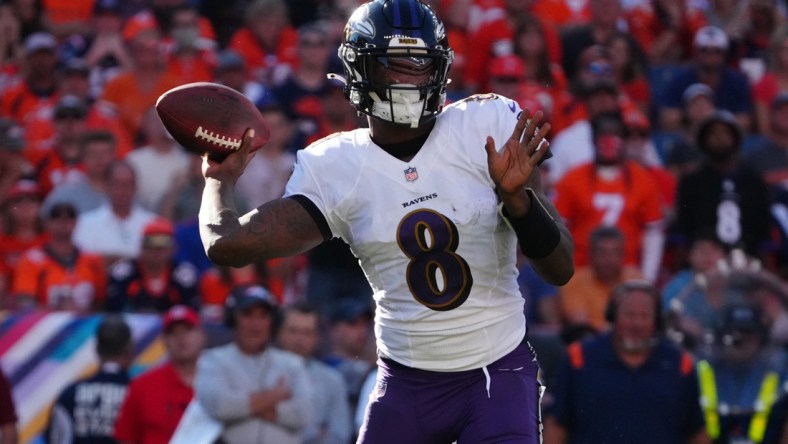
x: 433, y: 202
x: 428, y: 234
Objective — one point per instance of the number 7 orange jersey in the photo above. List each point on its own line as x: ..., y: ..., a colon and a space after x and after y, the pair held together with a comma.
x: 629, y: 201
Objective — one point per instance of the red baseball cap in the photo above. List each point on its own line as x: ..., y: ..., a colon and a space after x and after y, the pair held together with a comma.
x: 23, y: 188
x: 158, y: 233
x: 507, y: 66
x: 180, y: 313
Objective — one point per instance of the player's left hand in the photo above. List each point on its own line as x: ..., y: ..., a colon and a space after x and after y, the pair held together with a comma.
x: 512, y: 166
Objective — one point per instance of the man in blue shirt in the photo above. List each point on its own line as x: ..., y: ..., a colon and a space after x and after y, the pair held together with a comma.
x: 629, y: 385
x: 731, y: 87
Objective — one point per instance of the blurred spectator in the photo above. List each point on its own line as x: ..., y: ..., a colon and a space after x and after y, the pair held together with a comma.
x: 679, y: 150
x: 267, y: 42
x: 67, y: 18
x: 21, y: 230
x: 57, y: 159
x: 159, y: 15
x: 260, y: 394
x: 664, y: 29
x: 594, y: 67
x: 191, y: 56
x: 602, y: 24
x: 768, y: 159
x: 544, y: 80
x: 300, y: 334
x: 723, y: 197
x: 114, y: 229
x: 85, y: 412
x: 90, y: 190
x: 217, y: 282
x: 8, y: 418
x: 181, y: 203
x: 742, y: 379
x: 334, y: 275
x: 630, y: 384
x: 731, y: 87
x: 584, y: 298
x: 225, y: 16
x: 506, y: 77
x: 561, y: 14
x: 158, y: 164
x: 103, y: 49
x: 154, y: 281
x: 573, y: 144
x: 57, y: 275
x: 13, y: 165
x: 774, y: 81
x: 729, y: 16
x: 38, y: 84
x: 73, y: 82
x: 31, y: 16
x: 630, y: 70
x: 613, y: 191
x: 271, y: 166
x: 761, y: 20
x: 641, y: 149
x: 350, y: 332
x: 299, y: 92
x: 135, y: 90
x: 541, y: 298
x: 495, y: 36
x: 156, y: 400
x: 10, y: 43
x: 231, y: 71
x: 694, y: 295
x: 342, y: 117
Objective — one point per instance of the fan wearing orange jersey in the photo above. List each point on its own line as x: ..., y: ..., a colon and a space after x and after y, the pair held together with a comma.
x: 57, y: 275
x: 613, y: 191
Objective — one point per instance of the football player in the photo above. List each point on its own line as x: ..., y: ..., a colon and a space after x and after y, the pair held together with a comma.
x: 433, y: 201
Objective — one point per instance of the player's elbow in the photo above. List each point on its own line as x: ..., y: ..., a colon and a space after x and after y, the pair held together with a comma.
x: 556, y: 269
x: 561, y: 276
x: 222, y: 252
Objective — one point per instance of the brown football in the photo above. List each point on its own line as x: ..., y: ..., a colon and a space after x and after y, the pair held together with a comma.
x: 210, y: 118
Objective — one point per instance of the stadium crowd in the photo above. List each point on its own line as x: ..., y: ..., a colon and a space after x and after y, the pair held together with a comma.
x: 669, y: 165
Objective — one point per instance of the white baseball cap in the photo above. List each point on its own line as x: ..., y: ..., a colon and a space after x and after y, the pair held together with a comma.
x: 711, y: 37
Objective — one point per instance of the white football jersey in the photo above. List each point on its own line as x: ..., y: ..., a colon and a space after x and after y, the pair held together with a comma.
x: 428, y: 234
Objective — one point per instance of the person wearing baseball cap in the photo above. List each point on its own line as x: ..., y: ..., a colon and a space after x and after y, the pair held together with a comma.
x: 710, y: 67
x: 260, y: 393
x: 156, y: 400
x: 155, y: 281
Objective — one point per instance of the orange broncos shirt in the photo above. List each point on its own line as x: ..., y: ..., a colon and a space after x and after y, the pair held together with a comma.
x: 628, y: 202
x: 57, y: 286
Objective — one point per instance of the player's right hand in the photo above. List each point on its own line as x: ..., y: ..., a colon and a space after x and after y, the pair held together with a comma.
x: 231, y: 168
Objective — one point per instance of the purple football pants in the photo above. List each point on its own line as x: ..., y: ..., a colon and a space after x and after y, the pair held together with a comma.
x: 495, y: 404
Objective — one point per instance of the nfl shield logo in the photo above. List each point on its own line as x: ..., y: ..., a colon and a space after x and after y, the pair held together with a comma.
x: 411, y: 174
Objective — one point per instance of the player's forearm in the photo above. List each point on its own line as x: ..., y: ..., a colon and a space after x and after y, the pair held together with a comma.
x: 220, y: 225
x: 558, y: 266
x: 543, y: 237
x: 281, y: 227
